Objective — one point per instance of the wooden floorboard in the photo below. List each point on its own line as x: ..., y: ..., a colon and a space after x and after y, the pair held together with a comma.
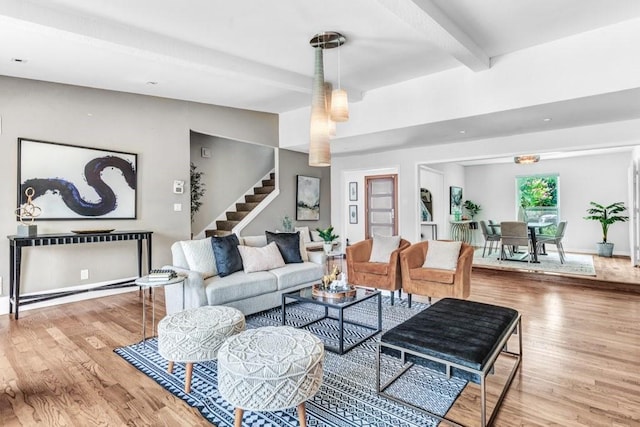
x: 581, y: 364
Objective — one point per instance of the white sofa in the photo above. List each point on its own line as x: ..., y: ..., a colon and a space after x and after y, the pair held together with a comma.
x: 248, y: 292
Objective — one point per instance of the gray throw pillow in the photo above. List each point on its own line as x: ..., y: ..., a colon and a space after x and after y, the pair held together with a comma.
x: 228, y: 259
x: 288, y: 244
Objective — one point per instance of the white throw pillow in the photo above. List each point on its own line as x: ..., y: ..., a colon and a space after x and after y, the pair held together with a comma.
x: 303, y: 249
x: 442, y: 255
x: 382, y: 248
x: 261, y: 259
x: 315, y: 236
x: 304, y: 232
x: 199, y: 256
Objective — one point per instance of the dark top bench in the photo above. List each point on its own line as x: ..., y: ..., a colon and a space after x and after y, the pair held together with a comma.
x: 463, y: 332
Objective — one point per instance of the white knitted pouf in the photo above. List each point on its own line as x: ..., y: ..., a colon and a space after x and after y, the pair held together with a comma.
x: 269, y: 369
x: 195, y: 335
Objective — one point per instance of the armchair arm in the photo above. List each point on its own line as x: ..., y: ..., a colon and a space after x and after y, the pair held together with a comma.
x: 193, y: 294
x: 413, y: 256
x: 360, y: 252
x: 465, y: 263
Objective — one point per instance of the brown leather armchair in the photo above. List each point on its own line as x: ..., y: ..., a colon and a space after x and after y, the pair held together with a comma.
x: 377, y: 275
x: 434, y: 282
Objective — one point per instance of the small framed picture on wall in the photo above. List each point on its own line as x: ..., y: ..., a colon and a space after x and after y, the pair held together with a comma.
x: 353, y: 214
x: 353, y: 191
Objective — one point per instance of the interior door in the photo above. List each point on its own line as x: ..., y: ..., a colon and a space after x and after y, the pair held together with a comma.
x: 381, y: 204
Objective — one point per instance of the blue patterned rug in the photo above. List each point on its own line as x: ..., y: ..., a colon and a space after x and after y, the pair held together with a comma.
x: 347, y: 396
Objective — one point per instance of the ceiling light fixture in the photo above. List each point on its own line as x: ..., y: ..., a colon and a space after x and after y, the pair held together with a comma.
x: 526, y: 159
x: 322, y: 102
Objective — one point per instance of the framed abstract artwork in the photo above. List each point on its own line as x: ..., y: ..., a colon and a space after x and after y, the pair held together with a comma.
x: 455, y: 199
x: 73, y: 182
x: 307, y: 198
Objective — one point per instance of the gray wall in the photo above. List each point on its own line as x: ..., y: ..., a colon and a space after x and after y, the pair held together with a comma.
x: 156, y: 129
x: 232, y: 169
x: 291, y: 164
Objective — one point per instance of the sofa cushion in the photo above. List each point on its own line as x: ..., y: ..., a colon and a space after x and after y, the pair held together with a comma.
x: 442, y: 255
x: 372, y: 268
x: 200, y: 256
x: 432, y: 275
x: 296, y: 274
x: 304, y: 232
x: 260, y: 259
x: 228, y: 258
x: 315, y: 236
x: 288, y: 244
x: 238, y: 286
x: 382, y: 247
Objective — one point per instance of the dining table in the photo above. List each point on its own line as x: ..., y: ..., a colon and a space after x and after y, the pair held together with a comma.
x: 534, y: 228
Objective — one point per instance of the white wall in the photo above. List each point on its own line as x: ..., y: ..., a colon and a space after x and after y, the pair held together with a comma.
x: 406, y: 161
x: 602, y: 179
x: 156, y: 129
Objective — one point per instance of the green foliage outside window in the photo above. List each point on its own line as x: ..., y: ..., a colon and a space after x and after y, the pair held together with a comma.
x: 537, y: 191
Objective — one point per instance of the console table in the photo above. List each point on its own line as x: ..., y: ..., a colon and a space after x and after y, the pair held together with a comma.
x: 16, y: 243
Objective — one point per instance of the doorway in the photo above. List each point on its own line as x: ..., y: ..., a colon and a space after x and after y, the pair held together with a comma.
x: 381, y: 204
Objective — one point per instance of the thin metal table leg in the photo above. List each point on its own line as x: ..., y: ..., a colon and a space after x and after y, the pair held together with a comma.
x: 341, y: 327
x: 144, y: 320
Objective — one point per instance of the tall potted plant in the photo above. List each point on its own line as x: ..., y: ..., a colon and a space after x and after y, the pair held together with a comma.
x: 197, y: 190
x: 606, y: 215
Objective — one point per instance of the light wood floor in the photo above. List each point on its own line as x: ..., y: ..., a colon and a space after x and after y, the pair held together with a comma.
x: 581, y: 364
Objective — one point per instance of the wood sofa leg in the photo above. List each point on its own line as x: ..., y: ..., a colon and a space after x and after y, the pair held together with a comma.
x: 170, y: 367
x: 302, y: 415
x: 237, y: 422
x: 409, y: 299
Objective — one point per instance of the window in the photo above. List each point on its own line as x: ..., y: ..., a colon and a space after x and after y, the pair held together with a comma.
x: 537, y: 198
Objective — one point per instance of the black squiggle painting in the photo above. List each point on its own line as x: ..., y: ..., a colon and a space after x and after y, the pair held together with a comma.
x: 76, y: 167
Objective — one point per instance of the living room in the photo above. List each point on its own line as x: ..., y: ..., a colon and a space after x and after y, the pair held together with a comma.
x: 99, y: 79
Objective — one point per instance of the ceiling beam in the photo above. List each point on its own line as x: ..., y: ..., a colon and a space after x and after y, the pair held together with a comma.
x: 430, y: 21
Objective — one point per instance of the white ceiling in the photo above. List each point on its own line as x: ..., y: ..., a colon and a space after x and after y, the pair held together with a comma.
x: 255, y: 54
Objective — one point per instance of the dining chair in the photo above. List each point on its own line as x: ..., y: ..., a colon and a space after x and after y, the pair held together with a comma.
x: 489, y: 237
x: 514, y: 234
x: 555, y: 240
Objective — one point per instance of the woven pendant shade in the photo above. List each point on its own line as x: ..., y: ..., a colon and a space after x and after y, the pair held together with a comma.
x: 319, y: 150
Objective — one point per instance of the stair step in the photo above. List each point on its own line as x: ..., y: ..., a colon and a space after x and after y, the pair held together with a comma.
x: 237, y: 216
x: 218, y: 233
x: 269, y: 182
x: 255, y: 198
x: 272, y: 175
x: 246, y: 206
x: 226, y: 225
x: 263, y: 190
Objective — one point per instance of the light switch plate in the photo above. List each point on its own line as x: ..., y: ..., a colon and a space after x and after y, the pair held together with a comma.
x: 177, y: 207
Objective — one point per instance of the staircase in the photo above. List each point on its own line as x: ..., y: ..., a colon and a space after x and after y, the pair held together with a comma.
x: 233, y: 217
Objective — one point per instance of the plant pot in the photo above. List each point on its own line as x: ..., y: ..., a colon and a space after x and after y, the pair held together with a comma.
x: 327, y: 247
x: 605, y: 249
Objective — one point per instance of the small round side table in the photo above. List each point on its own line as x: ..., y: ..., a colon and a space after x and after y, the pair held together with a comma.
x: 145, y: 283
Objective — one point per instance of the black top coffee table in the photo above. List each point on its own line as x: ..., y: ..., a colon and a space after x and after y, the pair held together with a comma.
x: 339, y: 305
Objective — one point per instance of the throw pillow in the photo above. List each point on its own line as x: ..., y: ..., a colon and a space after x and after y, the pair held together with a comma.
x: 315, y: 236
x: 304, y: 232
x: 442, y: 255
x: 382, y: 248
x: 288, y: 244
x: 261, y: 259
x: 199, y: 256
x: 228, y: 259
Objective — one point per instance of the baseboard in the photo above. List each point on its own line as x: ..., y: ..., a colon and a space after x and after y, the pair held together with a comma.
x: 4, y: 300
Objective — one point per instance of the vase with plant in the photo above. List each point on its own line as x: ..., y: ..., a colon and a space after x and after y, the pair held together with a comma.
x: 197, y: 190
x: 287, y: 224
x: 328, y: 237
x: 472, y: 209
x: 606, y: 215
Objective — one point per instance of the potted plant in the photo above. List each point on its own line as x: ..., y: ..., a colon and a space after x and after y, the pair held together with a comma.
x: 606, y: 215
x: 328, y: 237
x: 472, y: 209
x: 197, y: 190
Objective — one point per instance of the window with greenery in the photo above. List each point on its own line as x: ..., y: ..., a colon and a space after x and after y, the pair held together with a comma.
x: 537, y: 198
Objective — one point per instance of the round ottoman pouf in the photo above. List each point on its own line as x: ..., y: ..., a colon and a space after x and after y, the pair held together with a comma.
x: 270, y: 369
x: 195, y: 335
